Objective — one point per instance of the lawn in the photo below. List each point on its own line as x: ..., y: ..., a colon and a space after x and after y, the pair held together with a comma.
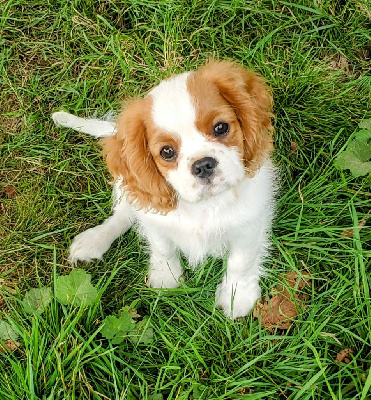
x: 87, y: 56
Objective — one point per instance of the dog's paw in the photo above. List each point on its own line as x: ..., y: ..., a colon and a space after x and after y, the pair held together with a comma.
x: 88, y: 245
x: 164, y: 272
x: 237, y: 298
x: 160, y: 280
x: 164, y: 275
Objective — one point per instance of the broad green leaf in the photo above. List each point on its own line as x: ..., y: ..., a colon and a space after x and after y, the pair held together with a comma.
x: 357, y: 155
x: 75, y: 288
x: 199, y: 391
x: 115, y: 328
x: 365, y: 124
x: 132, y: 311
x: 142, y: 333
x: 7, y: 332
x: 36, y: 300
x: 157, y: 396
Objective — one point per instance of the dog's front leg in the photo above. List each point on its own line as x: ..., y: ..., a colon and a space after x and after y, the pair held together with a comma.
x: 165, y: 269
x: 94, y: 242
x: 240, y: 288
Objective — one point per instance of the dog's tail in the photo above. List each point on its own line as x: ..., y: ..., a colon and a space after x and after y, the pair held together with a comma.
x: 94, y: 127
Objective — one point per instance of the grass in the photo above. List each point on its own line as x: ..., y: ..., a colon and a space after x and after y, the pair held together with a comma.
x: 85, y: 57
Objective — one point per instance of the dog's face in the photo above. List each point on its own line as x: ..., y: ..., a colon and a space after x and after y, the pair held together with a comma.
x: 192, y: 137
x: 195, y: 140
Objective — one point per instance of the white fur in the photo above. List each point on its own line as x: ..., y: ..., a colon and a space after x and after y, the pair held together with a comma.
x: 230, y: 215
x: 91, y: 126
x: 172, y: 107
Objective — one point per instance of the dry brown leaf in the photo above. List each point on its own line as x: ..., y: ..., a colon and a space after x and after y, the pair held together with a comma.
x: 277, y: 312
x: 299, y: 283
x: 280, y: 309
x: 339, y: 62
x: 133, y: 313
x: 294, y: 147
x: 8, y: 345
x: 344, y: 356
x: 10, y: 191
x: 349, y: 233
x: 245, y: 390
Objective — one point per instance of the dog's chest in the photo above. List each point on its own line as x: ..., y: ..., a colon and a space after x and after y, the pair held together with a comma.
x: 197, y: 230
x: 198, y: 236
x: 209, y: 227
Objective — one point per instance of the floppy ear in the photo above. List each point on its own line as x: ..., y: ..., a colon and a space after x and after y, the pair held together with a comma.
x: 127, y: 155
x: 248, y: 94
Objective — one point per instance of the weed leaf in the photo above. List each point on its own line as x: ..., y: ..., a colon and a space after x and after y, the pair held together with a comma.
x: 75, y: 288
x: 357, y: 156
x: 116, y: 329
x: 36, y: 300
x: 157, y: 396
x: 142, y: 333
x: 7, y: 332
x: 365, y: 124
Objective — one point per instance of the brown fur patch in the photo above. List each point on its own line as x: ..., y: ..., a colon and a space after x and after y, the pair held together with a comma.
x: 128, y: 154
x: 224, y: 91
x: 211, y: 108
x: 156, y: 141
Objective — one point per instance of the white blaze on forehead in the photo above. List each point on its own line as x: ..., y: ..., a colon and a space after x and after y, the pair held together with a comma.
x: 172, y: 107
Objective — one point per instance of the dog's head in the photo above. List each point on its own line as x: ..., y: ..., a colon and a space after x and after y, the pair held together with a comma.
x: 195, y: 135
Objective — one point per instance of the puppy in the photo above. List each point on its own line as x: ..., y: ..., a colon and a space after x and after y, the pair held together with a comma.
x: 192, y: 170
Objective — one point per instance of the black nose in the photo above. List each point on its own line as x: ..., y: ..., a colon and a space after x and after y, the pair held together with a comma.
x: 204, y: 168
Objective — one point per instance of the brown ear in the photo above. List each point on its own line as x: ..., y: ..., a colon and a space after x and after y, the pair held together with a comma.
x: 247, y: 93
x: 127, y: 155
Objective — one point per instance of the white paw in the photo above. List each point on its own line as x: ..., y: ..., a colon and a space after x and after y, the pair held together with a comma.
x: 237, y: 298
x: 159, y: 280
x: 164, y: 274
x: 88, y: 245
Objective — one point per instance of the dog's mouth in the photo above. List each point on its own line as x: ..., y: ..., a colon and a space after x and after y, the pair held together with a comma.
x: 206, y: 181
x: 214, y: 180
x: 213, y: 185
x: 205, y: 188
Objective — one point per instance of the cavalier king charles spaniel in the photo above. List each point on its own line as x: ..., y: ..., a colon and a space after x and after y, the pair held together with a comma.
x: 192, y: 170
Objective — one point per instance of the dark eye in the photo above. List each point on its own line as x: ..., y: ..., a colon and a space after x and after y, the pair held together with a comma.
x: 167, y: 153
x: 221, y: 129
